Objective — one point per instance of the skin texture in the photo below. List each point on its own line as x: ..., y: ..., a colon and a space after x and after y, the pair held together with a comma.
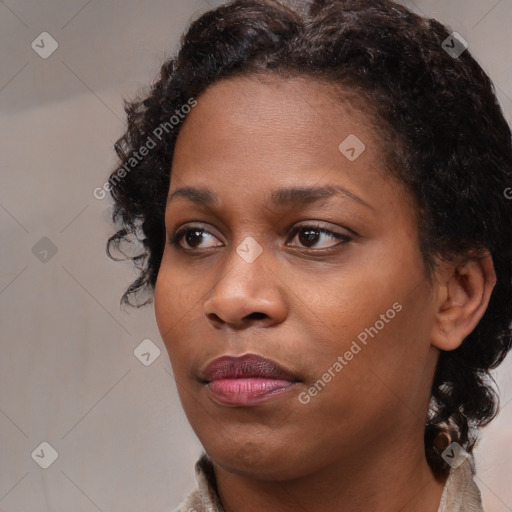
x: 358, y: 444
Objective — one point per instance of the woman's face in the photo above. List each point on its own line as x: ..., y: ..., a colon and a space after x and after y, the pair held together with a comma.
x: 302, y: 252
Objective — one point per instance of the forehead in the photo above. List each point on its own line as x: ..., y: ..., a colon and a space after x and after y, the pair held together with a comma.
x: 251, y: 134
x: 299, y: 120
x: 267, y: 104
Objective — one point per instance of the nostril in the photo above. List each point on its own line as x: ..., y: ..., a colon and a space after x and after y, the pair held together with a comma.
x: 212, y: 316
x: 256, y: 316
x: 218, y: 320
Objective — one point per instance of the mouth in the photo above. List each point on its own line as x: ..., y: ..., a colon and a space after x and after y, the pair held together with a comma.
x: 246, y: 380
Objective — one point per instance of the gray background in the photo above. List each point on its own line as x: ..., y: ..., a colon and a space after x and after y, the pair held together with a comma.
x: 68, y: 373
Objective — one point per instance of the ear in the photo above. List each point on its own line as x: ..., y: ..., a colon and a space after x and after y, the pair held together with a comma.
x: 463, y: 293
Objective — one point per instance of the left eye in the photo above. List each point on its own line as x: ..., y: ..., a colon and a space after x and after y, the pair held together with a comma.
x: 309, y: 236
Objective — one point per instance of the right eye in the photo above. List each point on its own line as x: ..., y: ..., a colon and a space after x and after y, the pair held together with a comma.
x: 193, y: 237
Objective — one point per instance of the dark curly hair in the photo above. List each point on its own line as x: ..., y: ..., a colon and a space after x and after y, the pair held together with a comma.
x: 442, y: 131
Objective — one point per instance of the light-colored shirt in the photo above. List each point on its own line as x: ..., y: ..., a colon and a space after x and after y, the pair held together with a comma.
x: 460, y: 493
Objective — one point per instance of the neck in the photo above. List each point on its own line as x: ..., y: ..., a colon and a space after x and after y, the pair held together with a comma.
x: 389, y: 477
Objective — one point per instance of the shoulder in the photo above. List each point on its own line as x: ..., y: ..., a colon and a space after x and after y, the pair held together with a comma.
x: 461, y: 494
x: 205, y: 497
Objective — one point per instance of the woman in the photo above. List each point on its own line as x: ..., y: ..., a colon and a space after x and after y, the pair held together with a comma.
x: 321, y: 196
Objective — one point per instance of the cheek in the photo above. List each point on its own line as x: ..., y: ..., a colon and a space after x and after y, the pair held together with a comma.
x: 380, y: 313
x: 178, y: 314
x: 174, y: 296
x: 171, y: 304
x: 163, y: 301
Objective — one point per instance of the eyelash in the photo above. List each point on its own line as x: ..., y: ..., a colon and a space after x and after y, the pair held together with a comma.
x: 178, y: 236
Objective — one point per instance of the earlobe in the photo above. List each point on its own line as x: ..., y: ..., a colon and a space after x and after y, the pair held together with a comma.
x: 463, y: 294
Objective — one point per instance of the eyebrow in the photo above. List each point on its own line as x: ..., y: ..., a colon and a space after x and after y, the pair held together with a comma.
x: 293, y: 196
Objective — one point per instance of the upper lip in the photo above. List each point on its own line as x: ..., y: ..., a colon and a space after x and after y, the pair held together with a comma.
x: 246, y: 366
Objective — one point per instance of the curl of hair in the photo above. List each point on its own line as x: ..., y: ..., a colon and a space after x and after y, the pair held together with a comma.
x: 443, y: 135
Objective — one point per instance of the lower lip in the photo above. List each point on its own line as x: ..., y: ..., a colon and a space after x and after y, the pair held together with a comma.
x: 247, y: 391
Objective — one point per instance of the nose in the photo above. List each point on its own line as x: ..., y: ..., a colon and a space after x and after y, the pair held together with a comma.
x: 246, y: 294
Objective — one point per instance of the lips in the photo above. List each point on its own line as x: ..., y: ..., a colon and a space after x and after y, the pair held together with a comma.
x: 231, y: 367
x: 246, y: 380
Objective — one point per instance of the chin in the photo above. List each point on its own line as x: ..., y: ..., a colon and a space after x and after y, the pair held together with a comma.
x: 259, y: 460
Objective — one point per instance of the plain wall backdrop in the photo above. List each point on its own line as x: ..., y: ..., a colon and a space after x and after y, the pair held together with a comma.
x: 69, y: 376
